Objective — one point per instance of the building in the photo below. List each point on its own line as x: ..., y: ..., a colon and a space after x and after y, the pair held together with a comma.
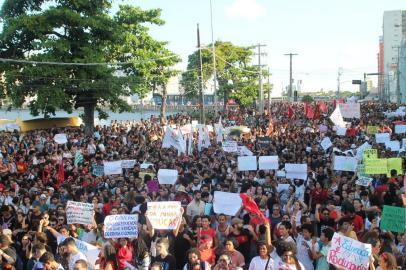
x: 402, y: 72
x: 394, y: 32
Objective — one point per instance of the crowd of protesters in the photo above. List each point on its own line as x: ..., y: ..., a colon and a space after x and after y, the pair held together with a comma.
x: 299, y: 221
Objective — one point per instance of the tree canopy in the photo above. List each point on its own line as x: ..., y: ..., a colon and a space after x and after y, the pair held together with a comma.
x: 82, y: 32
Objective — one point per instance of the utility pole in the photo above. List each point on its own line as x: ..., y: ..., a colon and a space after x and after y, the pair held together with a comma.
x: 261, y: 90
x: 340, y: 72
x: 201, y: 97
x: 214, y: 59
x: 290, y: 77
x: 269, y: 94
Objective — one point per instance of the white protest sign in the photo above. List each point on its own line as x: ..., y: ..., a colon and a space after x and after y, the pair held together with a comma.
x: 244, y: 151
x: 268, y: 162
x: 280, y: 174
x: 337, y: 118
x: 296, y: 171
x: 343, y: 163
x: 164, y: 215
x: 350, y: 110
x: 341, y: 131
x: 91, y: 252
x: 347, y: 253
x: 60, y: 138
x: 79, y: 213
x: 247, y: 163
x: 226, y: 203
x: 399, y: 129
x: 112, y: 167
x: 146, y: 165
x: 364, y: 181
x: 167, y: 176
x: 326, y: 143
x: 230, y: 146
x: 128, y: 163
x: 119, y: 226
x: 382, y: 137
x: 394, y: 146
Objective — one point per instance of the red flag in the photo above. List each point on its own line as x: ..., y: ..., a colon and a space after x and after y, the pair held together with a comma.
x: 310, y: 112
x: 334, y: 103
x: 323, y: 107
x: 306, y: 109
x: 251, y: 206
x: 291, y: 112
x: 61, y: 174
x: 317, y: 112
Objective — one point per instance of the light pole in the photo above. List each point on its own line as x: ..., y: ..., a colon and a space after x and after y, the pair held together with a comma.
x: 214, y: 58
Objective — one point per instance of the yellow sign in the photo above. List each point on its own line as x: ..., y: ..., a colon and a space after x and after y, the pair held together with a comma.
x: 376, y: 166
x: 394, y: 164
x: 371, y: 130
x: 370, y: 154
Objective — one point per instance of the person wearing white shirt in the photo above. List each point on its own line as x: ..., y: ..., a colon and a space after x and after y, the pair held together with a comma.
x: 305, y: 245
x: 196, y: 206
x: 74, y: 253
x: 264, y: 261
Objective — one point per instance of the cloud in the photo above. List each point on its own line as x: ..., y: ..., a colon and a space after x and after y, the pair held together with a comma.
x: 245, y: 9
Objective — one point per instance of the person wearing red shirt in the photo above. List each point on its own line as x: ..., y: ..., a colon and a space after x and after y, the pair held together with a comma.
x: 124, y: 252
x: 21, y: 166
x: 206, y: 230
x: 357, y: 220
x: 318, y: 195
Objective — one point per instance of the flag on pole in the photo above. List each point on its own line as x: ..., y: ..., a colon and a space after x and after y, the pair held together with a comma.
x: 219, y: 131
x: 310, y: 112
x: 316, y: 112
x: 174, y: 138
x: 323, y: 106
x: 61, y: 174
x: 337, y: 118
x: 291, y: 112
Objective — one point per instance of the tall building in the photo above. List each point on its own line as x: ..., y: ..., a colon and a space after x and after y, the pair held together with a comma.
x: 402, y: 72
x: 381, y: 77
x: 394, y: 32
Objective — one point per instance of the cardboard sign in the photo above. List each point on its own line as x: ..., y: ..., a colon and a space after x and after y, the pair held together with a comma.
x: 119, y: 226
x: 326, y: 143
x: 382, y: 137
x: 167, y: 176
x: 364, y: 181
x: 268, y: 162
x: 230, y: 146
x: 350, y: 110
x: 370, y: 154
x: 226, y: 203
x: 91, y: 252
x: 347, y: 253
x: 128, y: 164
x: 264, y: 141
x: 393, y: 219
x: 60, y: 138
x: 247, y: 163
x: 371, y: 130
x: 376, y: 166
x: 79, y: 213
x: 164, y: 215
x: 343, y: 163
x: 400, y: 129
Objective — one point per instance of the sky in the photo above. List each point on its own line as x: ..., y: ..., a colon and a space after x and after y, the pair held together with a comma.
x: 326, y: 34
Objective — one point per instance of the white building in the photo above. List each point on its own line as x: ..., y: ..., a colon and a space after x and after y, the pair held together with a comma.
x: 394, y: 31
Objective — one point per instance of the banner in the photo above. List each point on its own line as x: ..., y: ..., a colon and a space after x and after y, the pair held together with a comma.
x: 247, y: 163
x: 268, y: 162
x: 264, y: 141
x: 393, y: 219
x: 347, y: 253
x: 400, y: 129
x: 119, y: 226
x: 226, y: 203
x: 395, y: 164
x: 343, y: 163
x: 164, y: 215
x: 60, y: 138
x: 370, y: 154
x: 128, y: 164
x: 91, y: 252
x: 364, y: 181
x: 79, y: 213
x: 350, y: 110
x: 382, y: 137
x: 167, y: 176
x: 371, y: 130
x: 326, y: 143
x: 296, y: 171
x: 112, y: 167
x: 230, y: 146
x: 376, y: 166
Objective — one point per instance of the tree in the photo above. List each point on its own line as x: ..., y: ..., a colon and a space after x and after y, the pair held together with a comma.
x: 78, y: 31
x: 307, y: 98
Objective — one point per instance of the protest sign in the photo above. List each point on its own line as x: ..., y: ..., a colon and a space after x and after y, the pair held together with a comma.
x: 393, y: 219
x: 382, y: 137
x: 244, y: 151
x: 370, y: 154
x: 394, y: 164
x: 91, y: 252
x: 226, y: 203
x: 341, y: 131
x: 146, y: 165
x: 164, y: 215
x: 296, y: 171
x: 337, y: 118
x: 247, y: 163
x: 128, y: 163
x: 350, y: 110
x: 79, y: 213
x: 280, y: 174
x: 394, y: 146
x: 343, y: 163
x: 371, y: 130
x: 230, y: 146
x: 98, y: 170
x: 361, y: 149
x: 376, y: 166
x: 118, y: 226
x: 268, y: 163
x: 60, y: 138
x: 326, y: 143
x: 400, y: 129
x: 347, y: 253
x: 364, y: 181
x: 361, y: 170
x: 167, y: 176
x: 264, y: 141
x: 112, y: 167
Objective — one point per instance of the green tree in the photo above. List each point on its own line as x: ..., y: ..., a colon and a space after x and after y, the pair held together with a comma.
x: 307, y: 98
x: 79, y: 31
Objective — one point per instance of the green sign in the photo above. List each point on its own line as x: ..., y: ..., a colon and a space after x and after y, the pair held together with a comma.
x: 371, y: 130
x: 376, y: 166
x: 393, y: 219
x: 370, y: 154
x: 395, y: 163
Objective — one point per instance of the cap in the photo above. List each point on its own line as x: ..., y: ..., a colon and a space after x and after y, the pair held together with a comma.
x: 51, y: 188
x: 235, y: 221
x: 181, y: 189
x: 43, y: 196
x: 7, y: 232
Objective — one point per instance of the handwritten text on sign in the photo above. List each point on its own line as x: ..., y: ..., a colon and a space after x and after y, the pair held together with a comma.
x: 119, y: 226
x: 349, y: 254
x: 164, y: 215
x: 79, y: 213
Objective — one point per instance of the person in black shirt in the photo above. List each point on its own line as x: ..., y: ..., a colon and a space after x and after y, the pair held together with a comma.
x: 167, y: 261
